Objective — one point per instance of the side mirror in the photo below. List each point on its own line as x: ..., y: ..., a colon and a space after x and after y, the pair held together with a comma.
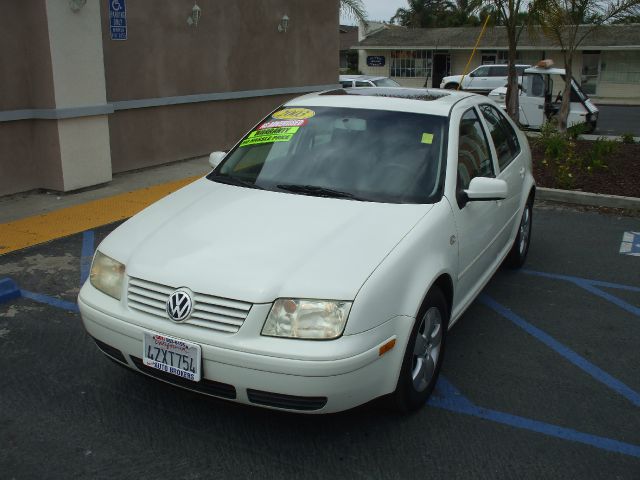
x: 484, y: 189
x: 215, y: 158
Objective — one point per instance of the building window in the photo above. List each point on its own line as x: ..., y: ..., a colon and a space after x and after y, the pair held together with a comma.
x: 411, y: 63
x: 620, y: 67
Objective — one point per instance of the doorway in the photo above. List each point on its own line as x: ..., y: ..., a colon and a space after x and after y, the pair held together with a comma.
x: 590, y: 72
x: 441, y: 68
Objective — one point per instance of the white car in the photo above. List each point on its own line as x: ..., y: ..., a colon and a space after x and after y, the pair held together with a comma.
x: 348, y: 81
x: 322, y: 261
x: 481, y: 80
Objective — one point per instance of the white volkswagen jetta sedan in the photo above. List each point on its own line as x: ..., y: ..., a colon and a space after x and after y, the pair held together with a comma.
x: 322, y: 261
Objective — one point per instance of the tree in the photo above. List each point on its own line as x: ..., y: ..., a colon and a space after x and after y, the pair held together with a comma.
x: 464, y: 13
x: 562, y: 21
x: 354, y: 9
x: 423, y: 14
x: 510, y: 15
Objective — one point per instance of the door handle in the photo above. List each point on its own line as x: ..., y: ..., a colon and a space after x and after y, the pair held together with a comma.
x: 521, y: 172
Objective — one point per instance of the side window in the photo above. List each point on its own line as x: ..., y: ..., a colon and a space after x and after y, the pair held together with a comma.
x: 474, y: 157
x: 481, y: 72
x: 504, y: 136
x: 346, y: 84
x: 362, y: 84
x: 537, y: 85
x: 499, y: 71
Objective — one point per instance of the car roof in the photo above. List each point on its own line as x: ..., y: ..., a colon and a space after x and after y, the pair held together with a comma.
x: 433, y: 101
x: 360, y: 77
x: 547, y: 71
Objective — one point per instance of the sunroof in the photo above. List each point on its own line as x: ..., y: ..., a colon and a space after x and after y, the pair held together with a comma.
x: 393, y: 92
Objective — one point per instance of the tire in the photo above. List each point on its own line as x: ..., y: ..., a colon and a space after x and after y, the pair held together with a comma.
x: 451, y: 86
x: 424, y: 354
x: 518, y: 253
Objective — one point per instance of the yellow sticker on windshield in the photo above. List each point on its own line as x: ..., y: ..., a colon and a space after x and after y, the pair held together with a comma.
x: 294, y: 114
x: 269, y: 135
x: 427, y: 138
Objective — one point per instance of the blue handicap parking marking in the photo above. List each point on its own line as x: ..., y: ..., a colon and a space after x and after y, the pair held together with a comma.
x: 88, y: 240
x: 447, y: 397
x: 630, y: 244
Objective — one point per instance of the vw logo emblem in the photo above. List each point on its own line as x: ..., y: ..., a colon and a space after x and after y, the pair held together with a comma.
x: 179, y: 305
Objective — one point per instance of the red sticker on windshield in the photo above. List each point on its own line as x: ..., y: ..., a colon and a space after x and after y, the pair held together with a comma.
x: 283, y: 123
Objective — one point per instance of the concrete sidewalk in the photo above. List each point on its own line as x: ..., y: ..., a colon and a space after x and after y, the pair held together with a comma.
x: 33, y: 218
x: 22, y: 205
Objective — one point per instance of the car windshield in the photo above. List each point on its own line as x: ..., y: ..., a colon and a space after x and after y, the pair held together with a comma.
x: 357, y: 154
x: 386, y: 82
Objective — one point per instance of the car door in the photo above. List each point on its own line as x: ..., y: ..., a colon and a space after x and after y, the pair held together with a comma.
x: 511, y: 168
x: 477, y: 80
x: 475, y: 221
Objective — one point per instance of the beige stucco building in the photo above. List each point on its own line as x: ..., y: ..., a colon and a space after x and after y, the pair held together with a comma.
x: 607, y: 63
x: 77, y: 106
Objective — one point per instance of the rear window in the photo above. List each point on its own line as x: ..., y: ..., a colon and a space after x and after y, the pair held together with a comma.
x: 386, y: 82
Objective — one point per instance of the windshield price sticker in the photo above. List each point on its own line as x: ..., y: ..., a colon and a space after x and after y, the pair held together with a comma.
x: 294, y: 114
x: 427, y: 138
x: 269, y: 135
x: 283, y: 123
x: 172, y: 355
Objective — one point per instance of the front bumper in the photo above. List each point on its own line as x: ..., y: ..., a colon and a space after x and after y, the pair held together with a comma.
x: 309, y: 376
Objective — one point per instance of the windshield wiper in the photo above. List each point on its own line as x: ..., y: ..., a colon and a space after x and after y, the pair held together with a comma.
x: 233, y: 181
x: 316, y: 191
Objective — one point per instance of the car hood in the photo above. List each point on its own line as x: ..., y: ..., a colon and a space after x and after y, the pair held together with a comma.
x: 256, y: 245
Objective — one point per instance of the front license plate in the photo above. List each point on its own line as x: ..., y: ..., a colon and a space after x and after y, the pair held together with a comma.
x: 171, y: 355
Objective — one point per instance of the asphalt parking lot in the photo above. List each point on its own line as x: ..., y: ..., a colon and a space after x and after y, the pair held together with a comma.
x: 540, y: 380
x: 618, y: 120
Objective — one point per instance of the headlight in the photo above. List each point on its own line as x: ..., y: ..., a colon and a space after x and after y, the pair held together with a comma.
x: 107, y: 275
x: 297, y: 318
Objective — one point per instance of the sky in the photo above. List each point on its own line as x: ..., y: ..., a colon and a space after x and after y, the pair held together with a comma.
x: 378, y: 10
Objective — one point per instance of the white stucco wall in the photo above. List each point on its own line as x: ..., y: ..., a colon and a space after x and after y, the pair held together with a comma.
x: 75, y: 40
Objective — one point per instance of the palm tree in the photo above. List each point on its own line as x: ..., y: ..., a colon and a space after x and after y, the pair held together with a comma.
x: 354, y: 9
x: 464, y: 13
x: 423, y: 14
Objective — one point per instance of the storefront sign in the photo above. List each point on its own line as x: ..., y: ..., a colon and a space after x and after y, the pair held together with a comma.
x: 375, y: 61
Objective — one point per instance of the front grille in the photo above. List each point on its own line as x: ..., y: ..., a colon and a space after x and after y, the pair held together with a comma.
x: 211, y: 312
x: 290, y: 402
x: 208, y: 387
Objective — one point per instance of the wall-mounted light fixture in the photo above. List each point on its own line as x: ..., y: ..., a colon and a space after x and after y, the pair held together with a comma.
x: 76, y: 5
x: 194, y: 18
x: 284, y: 24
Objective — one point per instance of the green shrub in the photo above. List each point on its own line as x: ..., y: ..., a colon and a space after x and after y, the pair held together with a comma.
x: 575, y: 131
x: 627, y: 138
x: 596, y: 157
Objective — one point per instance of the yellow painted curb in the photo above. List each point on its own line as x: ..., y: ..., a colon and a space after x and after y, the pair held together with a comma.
x: 67, y: 221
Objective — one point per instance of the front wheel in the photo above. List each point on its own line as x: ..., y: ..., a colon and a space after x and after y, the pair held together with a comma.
x: 518, y: 253
x: 424, y: 354
x: 451, y: 86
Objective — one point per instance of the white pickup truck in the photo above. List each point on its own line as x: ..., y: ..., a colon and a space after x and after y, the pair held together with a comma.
x: 538, y: 103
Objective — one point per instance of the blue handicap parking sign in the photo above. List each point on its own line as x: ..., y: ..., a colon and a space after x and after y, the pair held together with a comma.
x: 118, y: 19
x: 630, y: 244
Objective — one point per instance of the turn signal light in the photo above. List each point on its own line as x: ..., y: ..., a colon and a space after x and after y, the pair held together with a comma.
x: 387, y: 346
